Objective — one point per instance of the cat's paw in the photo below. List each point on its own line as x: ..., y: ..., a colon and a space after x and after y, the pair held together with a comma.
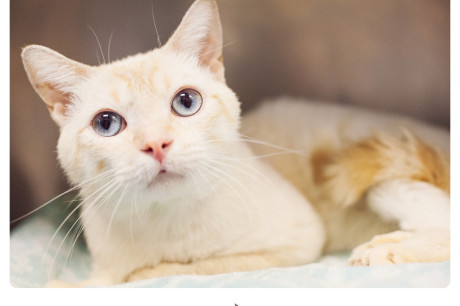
x: 402, y: 247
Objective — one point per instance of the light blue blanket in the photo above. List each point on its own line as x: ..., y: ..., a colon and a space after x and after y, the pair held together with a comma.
x: 35, y: 258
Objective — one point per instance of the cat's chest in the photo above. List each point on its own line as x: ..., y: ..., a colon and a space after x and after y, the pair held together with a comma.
x: 181, y: 234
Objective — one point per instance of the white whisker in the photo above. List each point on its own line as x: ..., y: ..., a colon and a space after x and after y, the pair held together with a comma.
x: 135, y: 207
x: 207, y: 182
x: 254, y: 156
x: 247, y: 139
x: 89, y: 209
x: 156, y: 29
x: 65, y: 220
x: 226, y: 45
x: 239, y: 169
x: 120, y: 200
x: 208, y: 167
x: 58, y: 196
x: 229, y: 176
x: 108, y: 47
x: 192, y: 175
x: 98, y: 43
x: 131, y: 236
x: 97, y: 57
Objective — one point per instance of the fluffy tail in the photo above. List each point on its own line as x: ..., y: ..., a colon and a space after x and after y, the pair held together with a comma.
x: 345, y: 175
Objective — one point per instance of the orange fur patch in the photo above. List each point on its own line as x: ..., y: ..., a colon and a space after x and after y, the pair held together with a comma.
x: 319, y: 159
x: 100, y: 166
x: 225, y: 110
x: 114, y: 95
x: 345, y: 175
x: 436, y: 168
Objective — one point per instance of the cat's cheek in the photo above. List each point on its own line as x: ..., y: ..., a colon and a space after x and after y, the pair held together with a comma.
x: 68, y: 156
x: 74, y: 154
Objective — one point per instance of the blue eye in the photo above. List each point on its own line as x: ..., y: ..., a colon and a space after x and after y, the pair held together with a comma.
x: 108, y: 123
x: 187, y: 102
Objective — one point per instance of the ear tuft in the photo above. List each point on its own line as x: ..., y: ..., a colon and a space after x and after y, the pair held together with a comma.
x: 54, y: 77
x: 200, y: 35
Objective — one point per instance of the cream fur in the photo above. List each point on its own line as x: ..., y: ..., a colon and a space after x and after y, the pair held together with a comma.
x: 218, y: 202
x: 392, y: 204
x: 219, y: 208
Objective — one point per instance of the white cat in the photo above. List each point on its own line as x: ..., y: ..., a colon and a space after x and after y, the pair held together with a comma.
x: 170, y: 186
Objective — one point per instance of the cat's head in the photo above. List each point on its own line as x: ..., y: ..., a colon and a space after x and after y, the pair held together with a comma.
x: 151, y: 120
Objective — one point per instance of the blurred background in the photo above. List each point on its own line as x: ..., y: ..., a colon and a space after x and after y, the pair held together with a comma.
x: 390, y: 55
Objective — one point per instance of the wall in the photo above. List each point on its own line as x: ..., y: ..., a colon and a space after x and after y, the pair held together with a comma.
x: 391, y: 55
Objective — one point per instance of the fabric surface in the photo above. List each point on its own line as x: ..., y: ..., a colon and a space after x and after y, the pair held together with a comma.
x: 38, y: 252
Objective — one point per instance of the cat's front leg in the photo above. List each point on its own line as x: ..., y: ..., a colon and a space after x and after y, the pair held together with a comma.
x: 422, y: 212
x: 218, y: 265
x: 163, y: 269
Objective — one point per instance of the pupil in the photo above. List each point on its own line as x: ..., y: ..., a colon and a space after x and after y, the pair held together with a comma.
x: 186, y: 100
x: 105, y: 121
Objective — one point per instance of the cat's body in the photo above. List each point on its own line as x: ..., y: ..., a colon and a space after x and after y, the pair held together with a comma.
x: 169, y: 186
x: 230, y: 220
x: 321, y: 130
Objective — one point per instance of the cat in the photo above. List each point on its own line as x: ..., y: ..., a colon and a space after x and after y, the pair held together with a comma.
x: 170, y: 186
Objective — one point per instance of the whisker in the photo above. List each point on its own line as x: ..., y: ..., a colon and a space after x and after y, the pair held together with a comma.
x: 58, y: 196
x: 135, y: 194
x: 192, y: 175
x: 239, y: 169
x: 131, y: 236
x: 98, y: 42
x: 135, y: 206
x: 268, y: 144
x: 66, y: 219
x: 225, y: 182
x: 115, y: 210
x: 215, y: 169
x: 228, y: 176
x: 97, y: 56
x: 252, y: 157
x: 43, y: 205
x: 207, y: 182
x: 244, y: 138
x: 243, y: 199
x: 113, y: 182
x: 79, y: 230
x: 213, y: 50
x: 108, y: 47
x: 156, y: 29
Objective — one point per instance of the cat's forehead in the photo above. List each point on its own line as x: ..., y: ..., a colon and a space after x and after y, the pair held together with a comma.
x: 153, y: 74
x: 144, y: 81
x: 152, y: 66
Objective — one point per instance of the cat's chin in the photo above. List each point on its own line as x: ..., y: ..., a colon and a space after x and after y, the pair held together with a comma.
x: 166, y: 186
x: 164, y: 179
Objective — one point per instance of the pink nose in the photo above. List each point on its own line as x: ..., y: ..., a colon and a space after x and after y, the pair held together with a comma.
x: 157, y: 149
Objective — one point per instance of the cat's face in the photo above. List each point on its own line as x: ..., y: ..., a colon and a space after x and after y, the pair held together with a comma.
x: 156, y: 118
x: 151, y: 121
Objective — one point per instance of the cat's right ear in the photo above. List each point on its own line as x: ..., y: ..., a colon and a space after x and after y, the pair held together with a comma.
x: 54, y: 77
x: 200, y: 35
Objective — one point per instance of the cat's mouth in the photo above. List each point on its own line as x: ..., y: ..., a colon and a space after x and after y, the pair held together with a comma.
x: 164, y: 177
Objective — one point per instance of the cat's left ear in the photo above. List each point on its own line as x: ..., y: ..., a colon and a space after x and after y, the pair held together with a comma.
x: 200, y: 35
x: 54, y: 77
